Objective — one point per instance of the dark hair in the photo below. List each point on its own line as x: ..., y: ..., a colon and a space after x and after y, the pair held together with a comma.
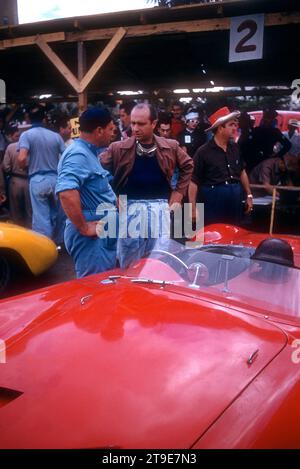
x: 11, y: 128
x: 178, y: 103
x: 270, y: 113
x: 36, y: 113
x: 152, y: 110
x: 94, y: 117
x: 59, y: 120
x: 127, y: 106
x: 164, y: 118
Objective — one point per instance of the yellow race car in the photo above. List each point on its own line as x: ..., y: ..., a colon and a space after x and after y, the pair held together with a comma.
x: 21, y: 248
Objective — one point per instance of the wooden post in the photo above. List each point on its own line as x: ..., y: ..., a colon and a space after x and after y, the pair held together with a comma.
x: 58, y: 63
x: 272, y: 210
x: 82, y: 95
x: 105, y: 54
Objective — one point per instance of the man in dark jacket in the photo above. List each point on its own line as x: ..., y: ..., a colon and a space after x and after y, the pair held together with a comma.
x: 142, y: 168
x: 264, y: 139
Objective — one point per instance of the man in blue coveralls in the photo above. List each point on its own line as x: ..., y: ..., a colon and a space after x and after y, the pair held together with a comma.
x: 83, y: 186
x: 40, y: 149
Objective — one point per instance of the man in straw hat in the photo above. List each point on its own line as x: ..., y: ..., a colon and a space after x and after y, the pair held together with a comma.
x: 219, y: 175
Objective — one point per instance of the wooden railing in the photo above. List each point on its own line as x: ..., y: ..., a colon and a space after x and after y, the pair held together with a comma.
x: 274, y: 190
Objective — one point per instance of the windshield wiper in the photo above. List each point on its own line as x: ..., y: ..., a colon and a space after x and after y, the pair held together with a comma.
x: 151, y: 281
x: 114, y: 278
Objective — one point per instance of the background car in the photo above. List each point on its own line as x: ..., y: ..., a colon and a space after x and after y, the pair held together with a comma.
x: 23, y: 249
x: 187, y: 348
x: 282, y: 118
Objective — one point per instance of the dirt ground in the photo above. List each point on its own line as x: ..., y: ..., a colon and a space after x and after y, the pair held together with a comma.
x: 61, y: 271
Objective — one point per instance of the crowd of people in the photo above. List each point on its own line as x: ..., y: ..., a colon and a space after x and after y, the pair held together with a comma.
x: 157, y: 160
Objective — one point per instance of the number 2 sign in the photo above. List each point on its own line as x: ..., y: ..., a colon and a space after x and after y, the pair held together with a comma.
x: 246, y: 38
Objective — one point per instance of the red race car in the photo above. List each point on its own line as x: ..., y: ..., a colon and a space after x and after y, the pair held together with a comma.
x: 187, y: 348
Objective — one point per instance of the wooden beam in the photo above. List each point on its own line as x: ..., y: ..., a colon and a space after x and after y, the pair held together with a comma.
x: 29, y: 40
x: 282, y: 19
x: 194, y: 26
x: 118, y: 36
x: 58, y: 63
x: 153, y: 29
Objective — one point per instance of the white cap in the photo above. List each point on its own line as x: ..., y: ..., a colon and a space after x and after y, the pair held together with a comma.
x: 192, y: 115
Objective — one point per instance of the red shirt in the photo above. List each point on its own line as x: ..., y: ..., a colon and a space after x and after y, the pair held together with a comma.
x: 177, y: 126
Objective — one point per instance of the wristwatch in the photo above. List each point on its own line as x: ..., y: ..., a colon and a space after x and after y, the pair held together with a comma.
x: 249, y: 196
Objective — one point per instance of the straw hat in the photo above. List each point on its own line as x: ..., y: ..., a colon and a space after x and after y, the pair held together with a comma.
x: 294, y: 122
x: 221, y: 116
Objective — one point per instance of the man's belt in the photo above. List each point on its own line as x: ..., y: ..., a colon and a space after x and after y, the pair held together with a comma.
x: 224, y: 183
x: 231, y: 181
x: 17, y: 175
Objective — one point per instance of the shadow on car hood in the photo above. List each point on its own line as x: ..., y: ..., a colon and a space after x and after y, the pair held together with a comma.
x: 123, y: 365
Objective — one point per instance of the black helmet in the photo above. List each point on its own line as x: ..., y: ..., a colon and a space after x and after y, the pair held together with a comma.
x: 274, y: 250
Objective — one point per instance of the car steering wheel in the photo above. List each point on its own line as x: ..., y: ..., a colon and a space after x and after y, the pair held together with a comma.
x: 183, y: 271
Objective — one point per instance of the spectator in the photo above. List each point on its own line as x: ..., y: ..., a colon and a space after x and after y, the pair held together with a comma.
x: 219, y: 173
x: 18, y: 188
x: 163, y: 128
x: 40, y: 149
x: 4, y: 214
x: 192, y: 137
x: 292, y: 134
x: 2, y: 187
x: 3, y: 140
x: 177, y: 122
x: 124, y: 115
x: 264, y: 139
x: 245, y: 140
x: 62, y: 126
x: 270, y: 172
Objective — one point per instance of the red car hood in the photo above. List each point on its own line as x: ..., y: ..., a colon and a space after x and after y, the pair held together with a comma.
x: 129, y: 366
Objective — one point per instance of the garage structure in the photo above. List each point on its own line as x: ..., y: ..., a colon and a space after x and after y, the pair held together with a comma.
x: 154, y: 49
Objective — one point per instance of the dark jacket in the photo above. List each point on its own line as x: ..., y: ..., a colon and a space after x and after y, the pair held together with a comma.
x: 120, y: 156
x: 2, y: 181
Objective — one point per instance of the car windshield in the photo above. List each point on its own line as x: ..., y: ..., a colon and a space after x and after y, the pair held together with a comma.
x: 224, y: 271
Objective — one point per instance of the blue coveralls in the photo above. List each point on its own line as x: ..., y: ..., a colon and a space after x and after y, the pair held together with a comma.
x: 79, y: 169
x: 44, y: 147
